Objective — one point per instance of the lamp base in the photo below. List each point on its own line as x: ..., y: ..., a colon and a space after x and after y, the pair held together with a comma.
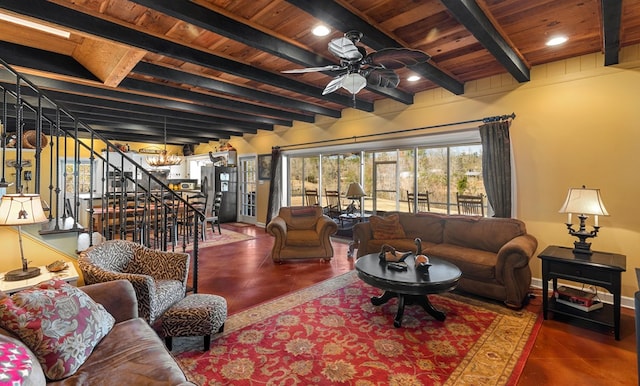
x: 21, y: 274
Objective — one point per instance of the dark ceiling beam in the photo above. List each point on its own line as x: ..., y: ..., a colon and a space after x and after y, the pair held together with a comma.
x: 78, y: 102
x: 109, y: 126
x: 230, y: 105
x: 178, y: 76
x: 40, y: 60
x: 152, y: 129
x: 210, y: 20
x: 469, y: 14
x: 342, y: 19
x: 23, y: 56
x: 70, y: 18
x: 109, y: 93
x: 153, y: 120
x: 611, y: 19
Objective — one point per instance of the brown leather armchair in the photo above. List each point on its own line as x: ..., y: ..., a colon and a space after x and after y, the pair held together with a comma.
x: 301, y: 232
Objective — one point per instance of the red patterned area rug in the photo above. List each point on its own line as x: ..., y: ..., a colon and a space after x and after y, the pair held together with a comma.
x: 331, y: 334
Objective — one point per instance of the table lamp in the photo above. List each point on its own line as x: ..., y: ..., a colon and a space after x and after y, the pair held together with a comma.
x: 354, y: 193
x: 583, y: 201
x: 18, y: 210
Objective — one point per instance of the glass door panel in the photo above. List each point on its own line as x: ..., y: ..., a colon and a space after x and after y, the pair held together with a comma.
x: 247, y: 190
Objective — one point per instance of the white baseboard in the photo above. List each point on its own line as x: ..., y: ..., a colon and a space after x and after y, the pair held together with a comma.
x: 605, y: 296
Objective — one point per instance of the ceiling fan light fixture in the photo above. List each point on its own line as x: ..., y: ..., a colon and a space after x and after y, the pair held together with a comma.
x: 354, y: 83
x: 413, y: 78
x: 321, y: 30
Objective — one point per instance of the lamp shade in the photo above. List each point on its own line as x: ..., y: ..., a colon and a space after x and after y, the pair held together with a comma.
x: 355, y: 191
x: 21, y: 209
x: 584, y: 201
x: 354, y: 83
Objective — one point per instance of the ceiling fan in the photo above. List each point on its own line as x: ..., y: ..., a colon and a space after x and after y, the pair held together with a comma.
x: 357, y: 68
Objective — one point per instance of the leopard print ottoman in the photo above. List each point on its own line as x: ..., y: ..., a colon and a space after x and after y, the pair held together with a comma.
x: 195, y: 315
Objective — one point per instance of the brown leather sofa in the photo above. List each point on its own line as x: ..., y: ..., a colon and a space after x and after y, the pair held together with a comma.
x: 492, y: 253
x: 301, y: 232
x: 130, y: 354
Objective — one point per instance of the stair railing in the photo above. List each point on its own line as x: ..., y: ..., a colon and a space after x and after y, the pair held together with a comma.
x: 120, y: 198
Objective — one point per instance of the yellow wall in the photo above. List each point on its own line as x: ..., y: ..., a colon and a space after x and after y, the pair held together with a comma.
x: 577, y: 123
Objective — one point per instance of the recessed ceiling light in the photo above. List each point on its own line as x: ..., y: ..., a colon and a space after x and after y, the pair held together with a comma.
x: 321, y: 30
x: 413, y: 78
x: 38, y: 26
x: 557, y: 40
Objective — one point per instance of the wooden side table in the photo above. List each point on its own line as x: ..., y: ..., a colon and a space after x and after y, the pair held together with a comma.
x: 70, y: 275
x: 601, y: 269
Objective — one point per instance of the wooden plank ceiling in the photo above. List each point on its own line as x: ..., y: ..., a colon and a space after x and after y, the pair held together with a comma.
x: 213, y: 68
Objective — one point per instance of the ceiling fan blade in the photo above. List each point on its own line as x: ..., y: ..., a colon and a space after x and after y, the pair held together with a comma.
x: 332, y: 67
x: 395, y: 58
x: 383, y: 78
x: 344, y: 48
x: 334, y: 85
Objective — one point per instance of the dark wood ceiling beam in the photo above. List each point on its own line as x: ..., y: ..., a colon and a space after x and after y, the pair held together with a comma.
x: 611, y: 19
x: 70, y: 18
x: 231, y: 105
x: 125, y: 133
x: 340, y: 18
x: 107, y: 93
x: 469, y: 14
x: 42, y: 61
x: 225, y: 26
x: 183, y: 125
x: 155, y: 128
x: 178, y: 76
x: 236, y: 127
x: 23, y: 56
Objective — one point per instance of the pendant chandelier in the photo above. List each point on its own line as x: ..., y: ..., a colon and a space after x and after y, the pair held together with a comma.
x: 164, y: 158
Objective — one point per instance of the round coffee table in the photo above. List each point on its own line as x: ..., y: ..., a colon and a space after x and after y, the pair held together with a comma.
x: 411, y: 286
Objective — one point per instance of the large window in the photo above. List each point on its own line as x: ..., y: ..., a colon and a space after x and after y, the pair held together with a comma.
x: 388, y: 175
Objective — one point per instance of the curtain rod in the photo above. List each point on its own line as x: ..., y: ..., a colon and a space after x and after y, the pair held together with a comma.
x: 355, y: 137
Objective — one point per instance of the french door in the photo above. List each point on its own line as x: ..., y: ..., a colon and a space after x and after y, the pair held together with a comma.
x: 247, y: 190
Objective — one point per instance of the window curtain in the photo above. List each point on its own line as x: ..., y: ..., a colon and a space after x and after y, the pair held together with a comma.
x: 275, y: 186
x: 496, y: 165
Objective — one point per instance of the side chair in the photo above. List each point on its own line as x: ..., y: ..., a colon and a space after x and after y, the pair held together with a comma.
x: 470, y: 205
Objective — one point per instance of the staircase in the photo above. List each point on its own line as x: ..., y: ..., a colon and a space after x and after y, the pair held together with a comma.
x: 81, y: 177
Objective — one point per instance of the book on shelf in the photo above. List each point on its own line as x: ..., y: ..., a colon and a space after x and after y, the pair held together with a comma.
x: 594, y: 306
x: 576, y: 296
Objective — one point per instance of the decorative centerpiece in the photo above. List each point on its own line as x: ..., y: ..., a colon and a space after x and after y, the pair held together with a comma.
x: 389, y: 254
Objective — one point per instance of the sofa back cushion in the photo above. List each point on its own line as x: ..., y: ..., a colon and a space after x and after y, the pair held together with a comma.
x: 488, y: 234
x: 425, y: 225
x: 387, y: 228
x: 300, y: 217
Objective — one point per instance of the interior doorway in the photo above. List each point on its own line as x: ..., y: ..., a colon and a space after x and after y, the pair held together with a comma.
x: 247, y: 190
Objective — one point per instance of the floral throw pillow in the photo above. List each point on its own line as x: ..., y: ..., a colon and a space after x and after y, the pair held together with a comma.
x: 387, y: 228
x: 58, y: 322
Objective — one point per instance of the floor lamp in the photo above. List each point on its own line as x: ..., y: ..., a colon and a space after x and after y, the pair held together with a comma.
x: 18, y: 210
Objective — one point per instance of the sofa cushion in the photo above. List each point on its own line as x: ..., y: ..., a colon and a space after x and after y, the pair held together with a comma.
x: 303, y: 238
x: 474, y: 263
x: 426, y: 226
x: 131, y: 354
x: 487, y: 234
x: 387, y: 228
x: 58, y: 322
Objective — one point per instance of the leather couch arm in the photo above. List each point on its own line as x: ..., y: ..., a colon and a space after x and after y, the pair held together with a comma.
x: 117, y: 297
x: 515, y: 254
x: 362, y: 233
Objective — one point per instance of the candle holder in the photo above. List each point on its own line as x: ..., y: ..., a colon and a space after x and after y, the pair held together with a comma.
x: 582, y: 247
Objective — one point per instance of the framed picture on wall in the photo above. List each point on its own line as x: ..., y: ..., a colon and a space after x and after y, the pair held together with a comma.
x: 264, y: 166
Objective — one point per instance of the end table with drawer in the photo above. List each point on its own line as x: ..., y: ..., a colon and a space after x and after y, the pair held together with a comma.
x: 600, y: 269
x: 70, y: 275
